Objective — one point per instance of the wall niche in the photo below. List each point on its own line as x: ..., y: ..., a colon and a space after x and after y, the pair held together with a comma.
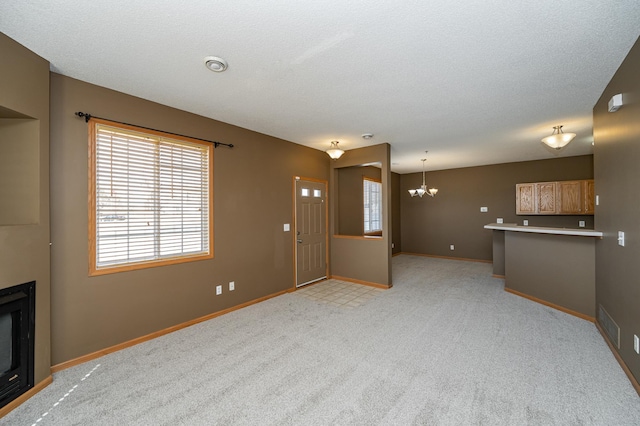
x: 19, y: 168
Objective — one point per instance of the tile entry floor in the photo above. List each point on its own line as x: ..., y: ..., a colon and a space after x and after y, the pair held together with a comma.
x: 339, y: 293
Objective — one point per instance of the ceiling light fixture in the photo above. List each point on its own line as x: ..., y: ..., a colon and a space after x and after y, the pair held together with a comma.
x: 558, y: 139
x: 367, y: 136
x: 423, y: 188
x: 215, y: 64
x: 335, y: 152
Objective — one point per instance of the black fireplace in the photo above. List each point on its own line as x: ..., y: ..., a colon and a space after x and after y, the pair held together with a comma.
x: 17, y: 324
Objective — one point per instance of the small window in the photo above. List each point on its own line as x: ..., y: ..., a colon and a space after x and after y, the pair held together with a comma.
x: 305, y: 192
x: 150, y: 198
x: 372, y: 206
x: 317, y: 193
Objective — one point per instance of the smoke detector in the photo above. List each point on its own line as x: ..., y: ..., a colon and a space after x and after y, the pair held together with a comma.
x: 215, y: 64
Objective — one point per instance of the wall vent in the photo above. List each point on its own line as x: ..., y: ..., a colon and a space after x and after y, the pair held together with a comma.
x: 609, y: 326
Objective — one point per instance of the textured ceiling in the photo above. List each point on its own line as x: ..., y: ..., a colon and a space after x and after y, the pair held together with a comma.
x: 473, y: 82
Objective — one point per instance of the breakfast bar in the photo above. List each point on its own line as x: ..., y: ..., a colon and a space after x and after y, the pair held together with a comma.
x: 553, y: 266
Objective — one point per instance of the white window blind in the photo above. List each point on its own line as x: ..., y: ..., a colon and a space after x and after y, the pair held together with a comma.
x: 372, y: 206
x: 152, y: 198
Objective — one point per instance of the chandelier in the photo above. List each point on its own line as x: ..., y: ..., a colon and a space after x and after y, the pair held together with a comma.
x: 423, y: 188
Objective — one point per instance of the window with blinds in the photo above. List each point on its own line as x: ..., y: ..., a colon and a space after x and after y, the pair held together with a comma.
x: 150, y: 198
x: 372, y: 206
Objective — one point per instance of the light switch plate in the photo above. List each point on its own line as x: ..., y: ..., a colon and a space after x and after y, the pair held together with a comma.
x: 499, y: 220
x: 484, y: 209
x: 286, y: 227
x: 621, y: 238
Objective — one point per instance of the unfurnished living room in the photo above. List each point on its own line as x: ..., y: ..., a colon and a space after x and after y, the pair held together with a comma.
x: 319, y: 213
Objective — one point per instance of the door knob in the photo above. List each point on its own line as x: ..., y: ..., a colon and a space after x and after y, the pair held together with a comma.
x: 299, y: 240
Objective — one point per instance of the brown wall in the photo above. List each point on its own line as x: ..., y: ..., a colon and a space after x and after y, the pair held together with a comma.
x: 359, y: 258
x: 554, y: 268
x: 252, y: 200
x: 430, y: 225
x: 617, y: 178
x: 24, y: 92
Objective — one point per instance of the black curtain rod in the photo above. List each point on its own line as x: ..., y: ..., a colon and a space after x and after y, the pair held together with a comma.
x: 88, y: 117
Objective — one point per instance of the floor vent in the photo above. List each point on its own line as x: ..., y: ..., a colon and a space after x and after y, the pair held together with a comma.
x: 609, y: 326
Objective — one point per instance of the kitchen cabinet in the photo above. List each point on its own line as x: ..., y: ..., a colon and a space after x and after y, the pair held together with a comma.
x: 547, y: 198
x: 574, y: 197
x: 589, y: 197
x: 526, y: 198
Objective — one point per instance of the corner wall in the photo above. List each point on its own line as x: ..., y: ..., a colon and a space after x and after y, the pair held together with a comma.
x: 252, y: 201
x: 617, y: 175
x: 24, y: 240
x: 360, y: 258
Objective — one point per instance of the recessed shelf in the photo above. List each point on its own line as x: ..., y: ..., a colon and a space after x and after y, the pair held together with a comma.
x: 19, y: 168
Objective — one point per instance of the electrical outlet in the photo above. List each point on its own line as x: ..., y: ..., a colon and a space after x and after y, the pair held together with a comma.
x: 232, y: 285
x: 218, y: 290
x: 581, y: 224
x: 452, y: 247
x: 499, y: 220
x: 621, y: 238
x: 525, y: 222
x: 636, y: 343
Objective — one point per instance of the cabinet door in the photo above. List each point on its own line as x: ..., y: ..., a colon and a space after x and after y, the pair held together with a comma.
x: 589, y: 196
x: 525, y: 198
x: 546, y: 197
x: 571, y: 197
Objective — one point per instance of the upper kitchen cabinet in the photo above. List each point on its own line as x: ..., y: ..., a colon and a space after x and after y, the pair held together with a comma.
x: 526, y: 198
x: 547, y: 198
x: 573, y: 197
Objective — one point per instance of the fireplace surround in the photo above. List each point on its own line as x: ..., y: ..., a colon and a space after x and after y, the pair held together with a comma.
x: 17, y: 328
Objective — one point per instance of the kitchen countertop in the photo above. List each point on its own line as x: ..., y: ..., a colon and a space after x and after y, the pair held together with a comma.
x: 581, y: 232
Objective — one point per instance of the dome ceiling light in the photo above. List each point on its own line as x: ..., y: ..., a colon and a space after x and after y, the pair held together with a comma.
x: 558, y: 139
x: 333, y: 151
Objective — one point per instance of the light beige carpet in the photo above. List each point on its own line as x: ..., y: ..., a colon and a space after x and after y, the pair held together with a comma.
x: 445, y: 346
